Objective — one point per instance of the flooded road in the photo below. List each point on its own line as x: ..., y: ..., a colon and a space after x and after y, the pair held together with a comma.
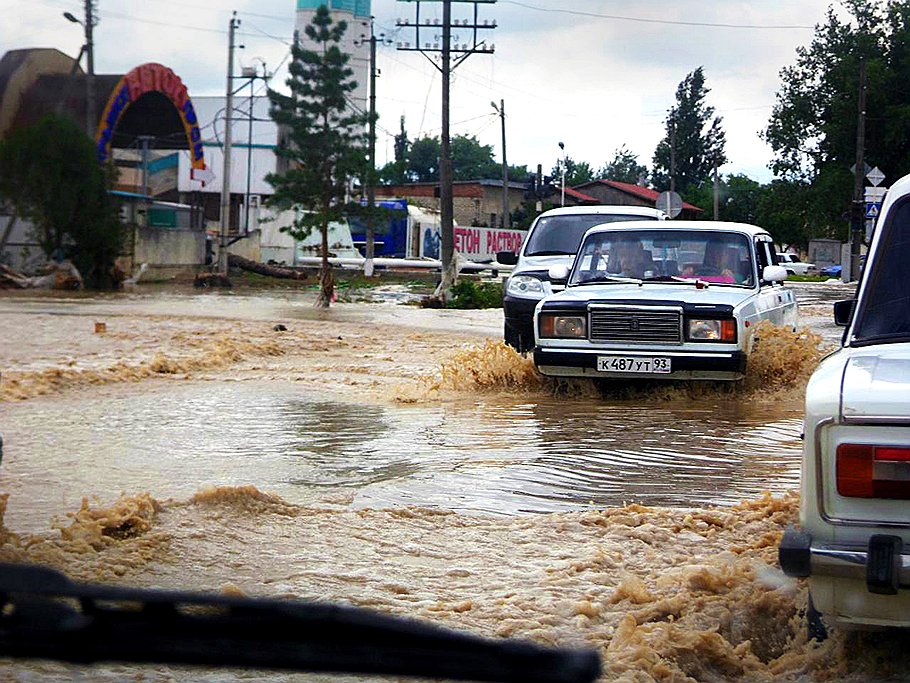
x: 488, y: 456
x: 395, y: 458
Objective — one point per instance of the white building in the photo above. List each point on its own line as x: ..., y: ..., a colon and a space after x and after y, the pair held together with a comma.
x: 355, y: 42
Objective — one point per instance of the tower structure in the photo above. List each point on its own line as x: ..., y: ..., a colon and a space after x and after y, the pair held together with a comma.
x: 357, y: 15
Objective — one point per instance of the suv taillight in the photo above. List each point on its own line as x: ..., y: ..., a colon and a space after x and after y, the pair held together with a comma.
x: 870, y: 471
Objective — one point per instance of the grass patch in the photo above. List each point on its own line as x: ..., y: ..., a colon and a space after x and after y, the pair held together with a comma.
x: 471, y: 294
x: 808, y: 278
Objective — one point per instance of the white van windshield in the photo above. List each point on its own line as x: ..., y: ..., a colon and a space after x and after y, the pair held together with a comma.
x: 561, y: 235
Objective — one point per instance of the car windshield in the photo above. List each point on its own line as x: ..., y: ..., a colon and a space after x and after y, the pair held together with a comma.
x: 562, y: 234
x: 884, y: 309
x: 665, y: 256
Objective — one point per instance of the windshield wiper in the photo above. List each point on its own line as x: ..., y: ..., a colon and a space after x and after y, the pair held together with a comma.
x: 45, y: 615
x: 551, y: 252
x: 668, y: 278
x: 608, y: 278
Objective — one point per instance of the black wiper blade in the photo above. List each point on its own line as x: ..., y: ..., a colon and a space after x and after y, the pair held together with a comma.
x: 46, y: 616
x: 668, y: 278
x: 608, y: 278
x: 551, y: 253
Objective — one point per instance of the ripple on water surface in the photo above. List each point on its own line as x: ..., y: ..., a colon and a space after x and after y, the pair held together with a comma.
x: 491, y: 455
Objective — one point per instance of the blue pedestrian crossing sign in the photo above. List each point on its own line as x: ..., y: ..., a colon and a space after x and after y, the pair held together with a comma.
x: 873, y: 209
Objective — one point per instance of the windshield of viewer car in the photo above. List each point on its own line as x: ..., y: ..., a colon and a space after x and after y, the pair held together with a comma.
x: 672, y: 256
x: 562, y: 234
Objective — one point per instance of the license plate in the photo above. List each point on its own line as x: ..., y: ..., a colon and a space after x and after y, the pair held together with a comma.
x: 634, y: 364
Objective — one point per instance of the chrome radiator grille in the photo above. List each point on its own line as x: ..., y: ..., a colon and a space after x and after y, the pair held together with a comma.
x: 636, y: 325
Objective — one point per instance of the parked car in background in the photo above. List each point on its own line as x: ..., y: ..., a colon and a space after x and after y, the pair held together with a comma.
x: 831, y: 271
x: 853, y: 539
x: 663, y: 301
x: 793, y: 265
x: 552, y: 240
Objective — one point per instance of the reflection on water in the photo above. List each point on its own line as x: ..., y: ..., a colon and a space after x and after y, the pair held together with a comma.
x: 489, y: 455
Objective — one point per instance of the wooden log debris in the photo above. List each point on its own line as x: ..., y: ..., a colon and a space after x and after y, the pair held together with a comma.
x: 265, y: 269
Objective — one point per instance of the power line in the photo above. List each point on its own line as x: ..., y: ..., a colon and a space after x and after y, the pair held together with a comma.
x: 670, y: 22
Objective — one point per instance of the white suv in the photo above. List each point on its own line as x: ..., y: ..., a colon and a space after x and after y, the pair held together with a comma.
x: 853, y: 542
x: 552, y: 241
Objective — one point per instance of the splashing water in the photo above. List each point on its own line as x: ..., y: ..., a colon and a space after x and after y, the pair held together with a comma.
x: 663, y: 594
x: 781, y: 360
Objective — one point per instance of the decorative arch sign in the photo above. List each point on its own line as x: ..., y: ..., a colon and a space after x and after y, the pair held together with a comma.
x: 144, y: 79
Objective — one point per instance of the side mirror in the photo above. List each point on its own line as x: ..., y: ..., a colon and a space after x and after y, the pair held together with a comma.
x: 774, y: 274
x: 843, y: 312
x: 558, y: 273
x: 507, y: 258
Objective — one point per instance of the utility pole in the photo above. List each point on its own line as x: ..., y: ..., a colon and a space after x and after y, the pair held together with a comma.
x: 562, y: 175
x: 857, y: 213
x: 672, y: 152
x: 716, y: 192
x: 91, y: 118
x: 371, y: 180
x: 505, y: 221
x: 446, y: 47
x: 226, y: 168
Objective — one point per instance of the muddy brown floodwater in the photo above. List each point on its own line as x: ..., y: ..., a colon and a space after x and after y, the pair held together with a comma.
x: 402, y: 459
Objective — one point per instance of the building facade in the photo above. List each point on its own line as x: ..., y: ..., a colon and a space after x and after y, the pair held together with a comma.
x: 356, y: 13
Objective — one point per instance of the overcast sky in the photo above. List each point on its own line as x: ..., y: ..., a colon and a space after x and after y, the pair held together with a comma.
x: 593, y: 74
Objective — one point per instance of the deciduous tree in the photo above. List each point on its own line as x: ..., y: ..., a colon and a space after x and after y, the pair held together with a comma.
x: 624, y: 168
x: 694, y: 136
x: 50, y: 174
x: 812, y: 128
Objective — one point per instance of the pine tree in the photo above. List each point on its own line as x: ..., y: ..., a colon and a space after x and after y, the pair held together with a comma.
x: 326, y: 144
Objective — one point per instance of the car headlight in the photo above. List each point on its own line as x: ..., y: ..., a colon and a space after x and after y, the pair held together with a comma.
x: 527, y: 286
x: 711, y: 330
x: 563, y: 326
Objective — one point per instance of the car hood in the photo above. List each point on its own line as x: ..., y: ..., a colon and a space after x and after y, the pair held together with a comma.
x: 543, y: 263
x: 876, y: 383
x: 686, y: 293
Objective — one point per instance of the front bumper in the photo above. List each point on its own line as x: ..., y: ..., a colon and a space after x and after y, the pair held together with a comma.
x: 519, y: 316
x: 883, y: 564
x: 723, y: 366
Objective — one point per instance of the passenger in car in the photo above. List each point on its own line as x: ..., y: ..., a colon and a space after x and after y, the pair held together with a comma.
x: 721, y: 264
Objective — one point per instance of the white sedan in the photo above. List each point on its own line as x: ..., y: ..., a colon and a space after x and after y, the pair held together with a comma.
x: 793, y: 265
x: 853, y: 539
x: 662, y: 300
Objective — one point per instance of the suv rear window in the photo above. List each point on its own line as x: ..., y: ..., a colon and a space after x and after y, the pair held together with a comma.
x: 884, y: 311
x: 560, y: 235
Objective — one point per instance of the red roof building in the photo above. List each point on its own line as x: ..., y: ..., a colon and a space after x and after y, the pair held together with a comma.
x: 627, y: 194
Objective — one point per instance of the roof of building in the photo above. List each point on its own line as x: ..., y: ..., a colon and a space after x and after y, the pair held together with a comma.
x: 645, y: 193
x: 581, y: 196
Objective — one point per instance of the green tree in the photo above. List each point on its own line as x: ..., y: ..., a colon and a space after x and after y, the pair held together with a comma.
x: 327, y: 141
x: 50, y: 174
x: 471, y: 160
x: 812, y: 128
x: 577, y: 172
x: 624, y: 168
x: 694, y: 135
x: 423, y: 160
x: 783, y: 210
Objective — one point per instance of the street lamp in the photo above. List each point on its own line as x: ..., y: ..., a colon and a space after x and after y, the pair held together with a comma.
x: 505, y: 219
x: 88, y: 49
x: 562, y: 174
